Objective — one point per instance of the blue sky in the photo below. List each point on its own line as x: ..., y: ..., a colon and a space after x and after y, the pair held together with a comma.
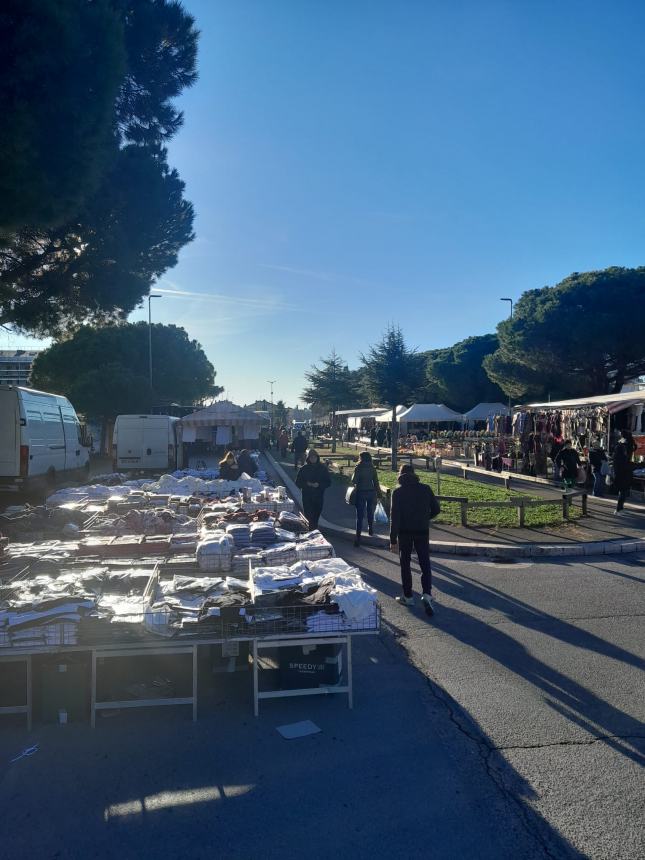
x: 355, y: 162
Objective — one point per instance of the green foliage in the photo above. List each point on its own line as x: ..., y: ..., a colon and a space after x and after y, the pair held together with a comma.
x: 280, y: 412
x: 104, y: 372
x: 456, y: 377
x: 61, y: 65
x: 330, y: 385
x: 99, y: 268
x: 584, y: 336
x: 393, y: 373
x: 88, y: 246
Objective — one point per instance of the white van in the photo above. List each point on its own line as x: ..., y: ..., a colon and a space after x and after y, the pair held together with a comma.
x: 147, y: 442
x: 41, y: 440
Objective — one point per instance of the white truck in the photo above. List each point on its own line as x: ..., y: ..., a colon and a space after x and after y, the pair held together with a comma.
x: 150, y: 443
x: 41, y: 440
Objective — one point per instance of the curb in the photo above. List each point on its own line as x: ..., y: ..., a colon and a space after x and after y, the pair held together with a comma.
x: 487, y: 550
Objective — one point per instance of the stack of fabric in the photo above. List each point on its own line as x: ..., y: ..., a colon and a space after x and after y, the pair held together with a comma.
x: 215, y: 552
x: 282, y: 553
x: 314, y: 547
x: 241, y: 534
x: 263, y: 534
x: 292, y: 522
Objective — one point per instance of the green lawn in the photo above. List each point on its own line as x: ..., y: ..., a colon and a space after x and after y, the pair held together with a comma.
x: 542, y: 515
x: 539, y: 516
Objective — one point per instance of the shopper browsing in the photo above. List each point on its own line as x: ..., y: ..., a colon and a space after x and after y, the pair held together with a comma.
x: 368, y: 490
x: 313, y: 479
x: 568, y: 461
x: 246, y: 463
x: 228, y: 468
x: 413, y: 506
x: 597, y: 457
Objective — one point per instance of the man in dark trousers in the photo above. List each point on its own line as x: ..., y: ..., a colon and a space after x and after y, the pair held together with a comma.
x: 413, y: 506
x: 298, y: 448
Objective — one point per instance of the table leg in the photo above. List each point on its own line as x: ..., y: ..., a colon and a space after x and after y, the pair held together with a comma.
x: 93, y: 692
x: 29, y: 695
x: 256, y: 703
x: 195, y: 647
x: 350, y: 694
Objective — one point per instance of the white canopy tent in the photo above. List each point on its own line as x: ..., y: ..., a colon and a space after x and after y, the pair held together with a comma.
x: 243, y: 423
x: 430, y: 413
x: 386, y: 416
x: 483, y: 411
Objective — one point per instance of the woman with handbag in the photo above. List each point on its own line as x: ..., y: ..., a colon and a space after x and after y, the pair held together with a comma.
x: 313, y: 479
x: 368, y: 490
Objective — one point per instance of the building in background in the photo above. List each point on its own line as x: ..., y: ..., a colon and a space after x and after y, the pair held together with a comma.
x: 15, y: 366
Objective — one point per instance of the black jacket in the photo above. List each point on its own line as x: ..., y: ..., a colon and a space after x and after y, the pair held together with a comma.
x: 413, y: 506
x: 314, y: 473
x: 247, y: 464
x: 365, y: 479
x: 569, y: 460
x: 299, y: 445
x: 623, y: 467
x: 596, y: 458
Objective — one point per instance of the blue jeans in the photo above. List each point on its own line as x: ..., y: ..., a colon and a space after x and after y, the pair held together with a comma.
x: 598, y: 484
x: 365, y: 502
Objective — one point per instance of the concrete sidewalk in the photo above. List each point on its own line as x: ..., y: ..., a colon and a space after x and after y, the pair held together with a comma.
x: 600, y: 533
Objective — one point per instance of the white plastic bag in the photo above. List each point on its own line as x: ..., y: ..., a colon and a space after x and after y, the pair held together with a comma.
x: 380, y: 516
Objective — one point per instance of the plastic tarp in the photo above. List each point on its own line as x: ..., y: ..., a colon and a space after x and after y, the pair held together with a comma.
x: 430, y: 412
x: 483, y: 410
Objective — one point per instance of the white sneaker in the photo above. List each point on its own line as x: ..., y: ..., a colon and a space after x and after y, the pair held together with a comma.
x: 428, y: 605
x: 405, y: 601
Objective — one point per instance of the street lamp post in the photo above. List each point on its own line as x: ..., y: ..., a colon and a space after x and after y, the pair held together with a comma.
x: 511, y: 317
x: 272, y: 383
x: 151, y: 296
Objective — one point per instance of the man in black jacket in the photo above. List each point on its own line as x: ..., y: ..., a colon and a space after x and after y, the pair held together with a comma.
x: 413, y: 506
x: 298, y: 448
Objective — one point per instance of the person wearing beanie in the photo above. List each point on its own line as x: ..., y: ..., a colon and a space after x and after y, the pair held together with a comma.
x: 413, y: 506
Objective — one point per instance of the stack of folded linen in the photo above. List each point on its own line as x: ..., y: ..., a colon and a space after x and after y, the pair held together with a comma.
x: 263, y: 534
x: 313, y: 547
x: 215, y: 552
x: 241, y: 534
x: 282, y: 553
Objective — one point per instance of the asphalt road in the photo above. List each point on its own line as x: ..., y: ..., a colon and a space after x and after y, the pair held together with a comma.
x: 509, y: 726
x: 541, y: 666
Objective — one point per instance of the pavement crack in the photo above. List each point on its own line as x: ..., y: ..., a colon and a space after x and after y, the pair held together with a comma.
x: 486, y: 751
x: 568, y: 743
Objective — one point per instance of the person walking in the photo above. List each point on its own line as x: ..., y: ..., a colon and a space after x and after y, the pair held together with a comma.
x: 368, y: 490
x: 597, y: 457
x: 568, y: 460
x: 298, y: 448
x: 313, y: 479
x: 381, y: 435
x: 623, y: 469
x: 283, y: 442
x: 413, y: 506
x: 373, y: 437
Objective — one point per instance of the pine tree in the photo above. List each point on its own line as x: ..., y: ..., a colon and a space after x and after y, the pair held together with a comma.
x: 331, y: 387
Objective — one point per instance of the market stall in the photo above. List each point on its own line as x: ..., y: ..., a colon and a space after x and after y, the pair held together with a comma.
x: 586, y: 421
x: 209, y: 431
x: 145, y: 578
x: 359, y: 422
x: 488, y: 416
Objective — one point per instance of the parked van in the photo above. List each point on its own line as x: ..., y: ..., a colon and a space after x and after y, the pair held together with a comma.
x: 41, y: 439
x: 147, y: 442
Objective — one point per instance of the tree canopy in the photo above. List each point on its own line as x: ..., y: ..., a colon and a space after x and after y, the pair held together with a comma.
x: 104, y: 371
x: 393, y: 374
x: 582, y: 336
x: 330, y: 386
x: 456, y: 376
x: 88, y: 247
